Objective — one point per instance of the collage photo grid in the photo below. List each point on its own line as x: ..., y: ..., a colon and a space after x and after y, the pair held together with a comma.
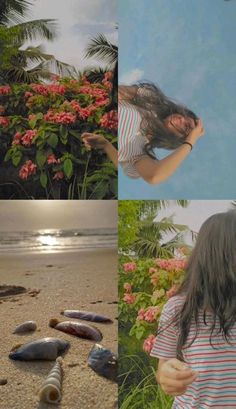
x: 117, y: 204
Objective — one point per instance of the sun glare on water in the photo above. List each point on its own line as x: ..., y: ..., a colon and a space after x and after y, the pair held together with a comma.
x: 48, y: 241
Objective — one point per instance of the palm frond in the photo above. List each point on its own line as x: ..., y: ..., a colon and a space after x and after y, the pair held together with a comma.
x: 13, y: 11
x: 101, y: 48
x: 37, y: 29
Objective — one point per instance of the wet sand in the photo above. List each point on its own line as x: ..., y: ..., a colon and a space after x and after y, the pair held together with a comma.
x: 83, y: 280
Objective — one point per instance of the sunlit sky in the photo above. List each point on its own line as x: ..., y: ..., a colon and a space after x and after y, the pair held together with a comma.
x: 78, y: 21
x: 56, y: 214
x: 188, y: 49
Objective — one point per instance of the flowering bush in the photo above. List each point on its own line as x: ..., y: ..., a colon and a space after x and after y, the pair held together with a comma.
x: 145, y: 286
x: 40, y: 131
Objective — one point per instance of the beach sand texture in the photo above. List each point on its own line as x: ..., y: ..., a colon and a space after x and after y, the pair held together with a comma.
x: 79, y: 280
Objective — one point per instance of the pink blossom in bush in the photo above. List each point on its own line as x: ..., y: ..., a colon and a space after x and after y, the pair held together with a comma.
x: 17, y: 138
x: 151, y: 314
x: 141, y: 314
x: 28, y: 137
x: 56, y: 89
x: 109, y: 120
x: 40, y: 89
x: 60, y: 117
x: 28, y: 169
x: 5, y: 89
x: 155, y: 279
x: 129, y: 298
x: 129, y: 267
x: 4, y: 121
x: 58, y: 175
x: 171, y: 264
x: 28, y: 94
x: 148, y: 343
x: 128, y: 287
x: 152, y: 270
x: 172, y: 291
x: 51, y: 159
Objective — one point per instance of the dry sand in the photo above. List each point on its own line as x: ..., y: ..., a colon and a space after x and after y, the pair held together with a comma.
x: 83, y: 280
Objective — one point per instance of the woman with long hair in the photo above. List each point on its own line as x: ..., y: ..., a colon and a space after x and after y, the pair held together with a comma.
x: 196, y: 340
x: 149, y: 120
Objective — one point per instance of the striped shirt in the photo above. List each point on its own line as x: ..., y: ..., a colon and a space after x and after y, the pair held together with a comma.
x: 215, y: 386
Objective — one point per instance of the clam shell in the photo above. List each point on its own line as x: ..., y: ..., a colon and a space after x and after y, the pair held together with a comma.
x: 47, y: 349
x: 50, y: 391
x: 79, y: 330
x: 103, y: 362
x: 25, y: 327
x: 87, y: 316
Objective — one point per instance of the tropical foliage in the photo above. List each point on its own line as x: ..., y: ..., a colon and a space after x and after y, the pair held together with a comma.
x: 41, y: 126
x: 151, y: 270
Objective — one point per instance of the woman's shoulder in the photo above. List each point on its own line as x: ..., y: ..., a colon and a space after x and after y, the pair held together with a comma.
x: 174, y: 305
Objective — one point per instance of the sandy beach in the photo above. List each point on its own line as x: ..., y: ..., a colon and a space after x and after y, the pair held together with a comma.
x: 70, y: 280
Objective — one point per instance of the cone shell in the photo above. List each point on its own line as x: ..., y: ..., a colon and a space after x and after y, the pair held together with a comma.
x: 47, y: 349
x: 87, y: 316
x: 50, y: 391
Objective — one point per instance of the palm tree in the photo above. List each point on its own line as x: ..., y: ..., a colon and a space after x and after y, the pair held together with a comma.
x: 29, y: 64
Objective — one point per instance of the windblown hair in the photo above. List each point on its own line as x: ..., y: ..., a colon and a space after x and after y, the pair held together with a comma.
x: 209, y: 286
x: 154, y: 107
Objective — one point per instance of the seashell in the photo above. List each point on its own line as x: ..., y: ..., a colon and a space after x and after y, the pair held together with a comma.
x: 25, y: 327
x: 103, y: 362
x: 77, y: 329
x: 46, y: 349
x: 87, y: 316
x: 50, y: 391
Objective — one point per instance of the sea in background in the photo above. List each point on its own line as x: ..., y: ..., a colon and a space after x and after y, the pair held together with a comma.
x: 56, y: 240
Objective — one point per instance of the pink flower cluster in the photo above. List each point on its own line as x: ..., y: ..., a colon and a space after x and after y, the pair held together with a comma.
x: 128, y: 287
x: 84, y: 113
x: 109, y: 120
x: 171, y: 264
x: 4, y: 121
x: 28, y: 137
x: 51, y: 159
x: 148, y: 343
x: 129, y: 298
x: 28, y: 169
x: 149, y: 314
x: 152, y: 270
x: 172, y: 291
x: 106, y: 81
x: 28, y: 94
x: 5, y: 89
x: 48, y: 89
x: 60, y: 117
x: 129, y: 267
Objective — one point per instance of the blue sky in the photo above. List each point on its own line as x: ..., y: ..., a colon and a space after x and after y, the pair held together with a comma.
x: 188, y: 48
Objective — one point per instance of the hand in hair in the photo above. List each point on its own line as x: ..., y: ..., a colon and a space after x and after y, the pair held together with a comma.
x: 196, y: 133
x: 95, y: 141
x: 174, y: 376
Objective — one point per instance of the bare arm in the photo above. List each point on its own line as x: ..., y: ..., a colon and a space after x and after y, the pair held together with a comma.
x: 174, y: 376
x: 112, y: 153
x: 154, y: 172
x: 96, y: 141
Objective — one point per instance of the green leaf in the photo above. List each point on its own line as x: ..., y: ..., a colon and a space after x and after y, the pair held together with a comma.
x: 53, y: 140
x: 43, y: 179
x: 76, y: 134
x: 8, y: 155
x: 16, y: 158
x: 40, y: 158
x: 32, y: 123
x: 68, y: 168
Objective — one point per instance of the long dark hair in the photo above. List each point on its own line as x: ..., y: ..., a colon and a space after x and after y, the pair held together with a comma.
x: 154, y: 107
x: 209, y: 286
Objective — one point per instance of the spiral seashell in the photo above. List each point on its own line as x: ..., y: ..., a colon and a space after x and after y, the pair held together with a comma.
x: 25, y: 327
x: 47, y: 349
x: 87, y: 316
x: 50, y: 391
x: 75, y: 328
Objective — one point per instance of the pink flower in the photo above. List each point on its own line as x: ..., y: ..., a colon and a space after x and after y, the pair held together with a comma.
x: 108, y: 75
x: 40, y: 89
x: 56, y: 89
x: 148, y: 343
x: 151, y: 314
x: 101, y: 102
x: 58, y: 176
x: 5, y: 89
x: 60, y: 117
x: 129, y: 298
x: 32, y: 117
x: 17, y: 138
x: 51, y: 159
x: 109, y: 120
x: 128, y: 287
x: 4, y: 122
x: 28, y: 169
x: 28, y: 94
x: 172, y: 291
x: 155, y: 278
x: 171, y: 264
x: 152, y: 270
x: 28, y: 137
x: 141, y: 315
x: 129, y: 267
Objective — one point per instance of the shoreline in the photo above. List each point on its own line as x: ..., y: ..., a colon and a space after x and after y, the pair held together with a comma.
x: 65, y: 280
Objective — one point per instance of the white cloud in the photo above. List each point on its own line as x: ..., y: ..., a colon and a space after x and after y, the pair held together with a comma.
x: 132, y: 76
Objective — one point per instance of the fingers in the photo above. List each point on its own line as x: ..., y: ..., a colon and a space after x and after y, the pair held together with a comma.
x: 175, y: 377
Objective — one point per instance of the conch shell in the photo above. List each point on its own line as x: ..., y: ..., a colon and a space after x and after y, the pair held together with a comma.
x: 50, y: 391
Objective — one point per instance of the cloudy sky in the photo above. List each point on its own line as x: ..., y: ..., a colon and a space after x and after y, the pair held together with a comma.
x: 188, y: 48
x: 78, y: 21
x: 19, y: 215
